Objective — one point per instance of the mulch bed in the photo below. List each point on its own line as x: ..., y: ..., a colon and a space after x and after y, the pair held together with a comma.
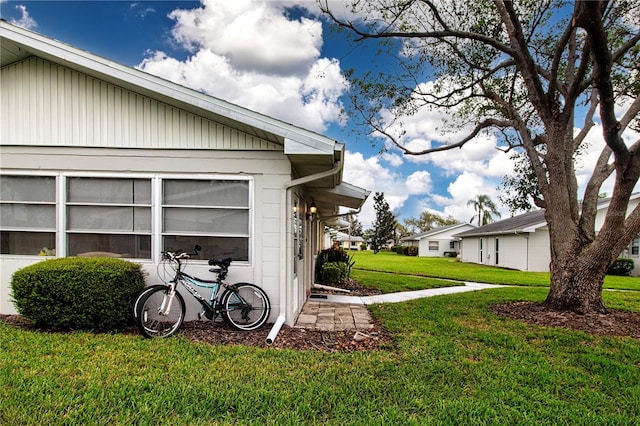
x: 614, y: 323
x: 288, y: 338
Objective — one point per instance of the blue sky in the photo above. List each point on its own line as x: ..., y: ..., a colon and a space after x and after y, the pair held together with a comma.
x: 282, y: 62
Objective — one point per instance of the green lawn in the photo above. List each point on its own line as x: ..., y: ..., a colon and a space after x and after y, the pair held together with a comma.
x: 454, y: 362
x: 447, y: 268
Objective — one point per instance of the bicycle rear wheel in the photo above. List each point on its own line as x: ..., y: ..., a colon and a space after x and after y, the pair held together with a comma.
x: 153, y: 320
x: 246, y: 306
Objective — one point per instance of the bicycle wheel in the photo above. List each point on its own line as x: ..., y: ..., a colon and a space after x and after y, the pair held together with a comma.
x: 137, y: 304
x: 246, y: 306
x: 151, y: 321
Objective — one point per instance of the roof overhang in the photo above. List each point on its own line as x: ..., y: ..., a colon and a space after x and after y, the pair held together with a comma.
x: 310, y: 153
x: 344, y: 195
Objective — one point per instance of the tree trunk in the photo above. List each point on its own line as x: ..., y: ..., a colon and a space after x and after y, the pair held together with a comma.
x: 576, y: 289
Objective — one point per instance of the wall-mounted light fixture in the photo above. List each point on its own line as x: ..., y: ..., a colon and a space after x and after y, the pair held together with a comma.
x: 312, y: 211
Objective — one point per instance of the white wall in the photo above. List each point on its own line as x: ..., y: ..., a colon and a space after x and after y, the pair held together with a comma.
x: 48, y: 104
x: 270, y: 171
x: 443, y: 245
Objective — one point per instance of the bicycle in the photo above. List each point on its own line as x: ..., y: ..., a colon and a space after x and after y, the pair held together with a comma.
x: 159, y: 310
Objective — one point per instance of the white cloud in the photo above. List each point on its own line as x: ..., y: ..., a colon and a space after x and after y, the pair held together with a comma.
x: 369, y: 173
x: 393, y: 159
x: 253, y: 54
x: 25, y: 21
x: 253, y: 35
x: 141, y: 11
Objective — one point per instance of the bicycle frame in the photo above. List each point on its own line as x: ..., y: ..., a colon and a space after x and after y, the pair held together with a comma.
x: 188, y: 281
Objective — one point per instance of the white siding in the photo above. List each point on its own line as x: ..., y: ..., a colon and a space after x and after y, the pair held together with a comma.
x: 470, y: 250
x: 443, y: 245
x: 443, y: 238
x: 270, y: 171
x: 47, y: 104
x: 512, y: 251
x: 539, y: 251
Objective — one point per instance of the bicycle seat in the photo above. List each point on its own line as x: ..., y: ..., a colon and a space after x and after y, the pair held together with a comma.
x: 223, y: 263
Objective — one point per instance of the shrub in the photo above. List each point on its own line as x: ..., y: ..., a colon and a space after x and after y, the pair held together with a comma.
x: 332, y: 255
x: 450, y: 254
x: 78, y: 293
x: 334, y: 273
x: 622, y: 267
x: 412, y: 251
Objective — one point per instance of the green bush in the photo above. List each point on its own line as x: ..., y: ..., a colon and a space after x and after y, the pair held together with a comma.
x: 621, y: 267
x: 78, y: 293
x: 334, y: 273
x: 412, y: 251
x: 332, y: 255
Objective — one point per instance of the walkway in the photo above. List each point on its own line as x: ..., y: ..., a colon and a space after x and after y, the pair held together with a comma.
x: 335, y: 312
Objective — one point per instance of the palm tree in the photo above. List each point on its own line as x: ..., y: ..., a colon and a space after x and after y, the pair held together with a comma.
x: 485, y: 209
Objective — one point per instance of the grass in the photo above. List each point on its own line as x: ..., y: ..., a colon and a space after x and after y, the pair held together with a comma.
x: 454, y: 362
x: 393, y: 282
x: 451, y: 269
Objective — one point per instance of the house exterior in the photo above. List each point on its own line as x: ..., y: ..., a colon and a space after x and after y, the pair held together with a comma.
x: 350, y: 242
x: 102, y: 159
x: 438, y: 242
x: 522, y: 242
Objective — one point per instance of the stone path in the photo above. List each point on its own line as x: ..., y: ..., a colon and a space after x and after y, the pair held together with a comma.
x: 333, y: 312
x: 329, y: 316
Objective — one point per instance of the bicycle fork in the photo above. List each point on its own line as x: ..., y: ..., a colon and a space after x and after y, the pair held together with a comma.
x: 167, y: 300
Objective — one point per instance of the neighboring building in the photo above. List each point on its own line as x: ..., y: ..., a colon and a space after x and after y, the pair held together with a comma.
x: 103, y: 159
x: 438, y: 242
x: 349, y: 242
x: 522, y: 242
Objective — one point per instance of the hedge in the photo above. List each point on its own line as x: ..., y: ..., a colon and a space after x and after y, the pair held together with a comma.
x: 63, y: 294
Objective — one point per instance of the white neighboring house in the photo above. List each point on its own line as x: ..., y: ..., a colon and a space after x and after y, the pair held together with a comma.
x: 349, y: 242
x: 101, y: 158
x: 438, y: 241
x: 522, y: 242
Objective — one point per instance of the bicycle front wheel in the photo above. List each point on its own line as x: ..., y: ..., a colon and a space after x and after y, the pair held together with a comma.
x: 246, y: 306
x: 137, y: 304
x: 160, y: 314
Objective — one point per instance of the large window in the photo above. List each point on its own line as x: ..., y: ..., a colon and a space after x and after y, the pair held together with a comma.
x: 124, y: 216
x: 109, y: 216
x: 434, y: 245
x: 28, y: 215
x: 211, y: 213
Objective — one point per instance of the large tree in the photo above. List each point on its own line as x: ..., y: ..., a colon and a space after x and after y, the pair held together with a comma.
x: 536, y: 74
x: 385, y: 224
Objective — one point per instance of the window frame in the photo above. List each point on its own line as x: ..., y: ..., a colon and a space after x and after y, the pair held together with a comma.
x: 61, y: 230
x: 54, y: 203
x: 159, y: 232
x: 68, y: 205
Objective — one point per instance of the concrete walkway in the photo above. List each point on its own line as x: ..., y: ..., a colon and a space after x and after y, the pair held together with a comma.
x: 335, y: 312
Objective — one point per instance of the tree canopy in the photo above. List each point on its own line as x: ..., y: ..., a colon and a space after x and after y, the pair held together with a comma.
x: 428, y: 221
x: 536, y: 75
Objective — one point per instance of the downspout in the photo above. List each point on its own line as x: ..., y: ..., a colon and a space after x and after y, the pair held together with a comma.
x: 337, y: 168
